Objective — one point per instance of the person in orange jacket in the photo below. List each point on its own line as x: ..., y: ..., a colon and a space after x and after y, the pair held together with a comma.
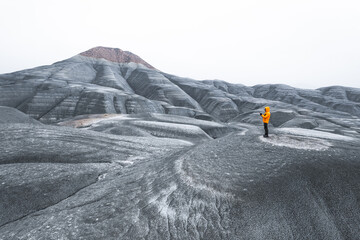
x: 266, y: 118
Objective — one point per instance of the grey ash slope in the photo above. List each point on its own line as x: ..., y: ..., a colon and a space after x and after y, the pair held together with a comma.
x: 43, y: 165
x: 104, y: 80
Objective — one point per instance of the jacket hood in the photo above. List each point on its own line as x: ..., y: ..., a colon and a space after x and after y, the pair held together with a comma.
x: 267, y: 109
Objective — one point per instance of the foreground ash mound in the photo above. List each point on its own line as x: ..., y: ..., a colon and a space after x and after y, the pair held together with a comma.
x: 102, y: 146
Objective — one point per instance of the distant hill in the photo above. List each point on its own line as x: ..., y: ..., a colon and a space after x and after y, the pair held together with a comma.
x: 109, y: 80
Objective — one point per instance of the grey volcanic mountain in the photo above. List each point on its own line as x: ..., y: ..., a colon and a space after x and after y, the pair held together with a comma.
x: 103, y: 80
x: 105, y: 146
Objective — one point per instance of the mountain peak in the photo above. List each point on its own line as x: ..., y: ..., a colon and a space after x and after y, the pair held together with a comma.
x: 115, y: 55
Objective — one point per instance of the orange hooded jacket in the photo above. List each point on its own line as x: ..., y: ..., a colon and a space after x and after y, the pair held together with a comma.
x: 266, y: 116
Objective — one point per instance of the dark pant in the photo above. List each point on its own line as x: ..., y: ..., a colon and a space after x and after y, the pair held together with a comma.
x: 266, y: 129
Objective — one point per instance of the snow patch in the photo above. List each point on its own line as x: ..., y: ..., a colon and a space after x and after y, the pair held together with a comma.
x: 102, y: 176
x: 174, y: 130
x: 166, y: 142
x: 185, y: 120
x: 161, y: 202
x: 125, y: 163
x: 191, y: 183
x: 164, y: 125
x: 242, y: 133
x: 297, y: 142
x: 315, y: 133
x: 92, y: 120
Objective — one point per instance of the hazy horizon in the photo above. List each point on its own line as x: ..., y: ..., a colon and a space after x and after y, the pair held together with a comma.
x: 307, y: 44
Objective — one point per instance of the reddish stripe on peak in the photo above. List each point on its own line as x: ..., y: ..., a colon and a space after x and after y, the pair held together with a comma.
x: 114, y: 55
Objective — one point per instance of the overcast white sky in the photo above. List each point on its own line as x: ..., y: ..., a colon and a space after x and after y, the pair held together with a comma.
x: 307, y: 44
